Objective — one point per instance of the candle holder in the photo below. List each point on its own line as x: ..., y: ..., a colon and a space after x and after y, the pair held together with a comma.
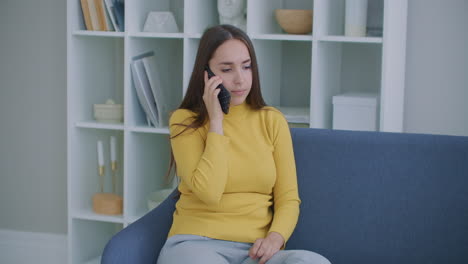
x: 107, y: 203
x: 101, y: 171
x: 114, y: 176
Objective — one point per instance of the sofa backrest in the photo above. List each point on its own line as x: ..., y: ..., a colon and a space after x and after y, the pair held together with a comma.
x: 373, y: 197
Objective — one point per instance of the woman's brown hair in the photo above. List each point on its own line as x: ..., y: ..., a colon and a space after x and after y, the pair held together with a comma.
x: 211, y: 39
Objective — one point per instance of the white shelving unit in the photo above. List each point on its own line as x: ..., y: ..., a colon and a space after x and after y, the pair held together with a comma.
x: 299, y: 74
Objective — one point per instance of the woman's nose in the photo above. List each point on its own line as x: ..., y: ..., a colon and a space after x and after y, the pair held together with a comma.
x: 239, y: 76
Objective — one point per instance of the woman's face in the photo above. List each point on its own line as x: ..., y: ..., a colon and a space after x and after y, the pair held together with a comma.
x: 231, y: 62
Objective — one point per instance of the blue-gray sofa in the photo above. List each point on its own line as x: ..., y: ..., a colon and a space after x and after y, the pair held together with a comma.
x: 367, y: 198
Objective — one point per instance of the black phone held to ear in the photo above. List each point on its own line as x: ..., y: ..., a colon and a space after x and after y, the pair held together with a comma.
x: 224, y: 96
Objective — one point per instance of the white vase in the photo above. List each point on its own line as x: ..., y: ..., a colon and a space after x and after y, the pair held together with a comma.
x: 160, y: 21
x: 355, y: 18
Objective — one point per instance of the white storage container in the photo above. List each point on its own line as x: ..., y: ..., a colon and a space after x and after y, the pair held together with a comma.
x: 355, y: 111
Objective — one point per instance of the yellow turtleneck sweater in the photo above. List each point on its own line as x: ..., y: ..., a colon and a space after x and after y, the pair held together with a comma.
x: 238, y: 186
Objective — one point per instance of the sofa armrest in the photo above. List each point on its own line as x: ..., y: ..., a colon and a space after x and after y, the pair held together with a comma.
x: 141, y: 241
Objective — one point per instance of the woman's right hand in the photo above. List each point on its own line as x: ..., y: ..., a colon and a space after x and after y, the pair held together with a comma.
x: 213, y: 107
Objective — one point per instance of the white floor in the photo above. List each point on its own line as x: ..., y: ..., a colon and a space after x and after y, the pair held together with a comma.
x: 17, y: 247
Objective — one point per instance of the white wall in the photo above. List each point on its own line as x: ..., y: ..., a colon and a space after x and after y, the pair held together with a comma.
x: 33, y: 115
x: 33, y: 98
x: 437, y: 67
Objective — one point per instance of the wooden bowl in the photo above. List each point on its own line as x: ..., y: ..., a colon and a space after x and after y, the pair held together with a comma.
x: 294, y: 21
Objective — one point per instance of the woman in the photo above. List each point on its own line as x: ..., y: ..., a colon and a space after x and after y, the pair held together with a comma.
x: 238, y: 191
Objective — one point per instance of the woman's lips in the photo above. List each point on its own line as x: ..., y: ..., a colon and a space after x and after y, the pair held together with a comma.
x: 238, y: 92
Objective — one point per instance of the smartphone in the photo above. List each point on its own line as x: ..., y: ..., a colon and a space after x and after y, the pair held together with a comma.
x: 224, y: 96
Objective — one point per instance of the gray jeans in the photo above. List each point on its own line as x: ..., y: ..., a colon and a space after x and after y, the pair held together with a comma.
x: 194, y: 249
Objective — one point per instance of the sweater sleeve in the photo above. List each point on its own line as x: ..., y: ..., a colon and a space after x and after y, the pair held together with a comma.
x: 201, y: 164
x: 285, y: 192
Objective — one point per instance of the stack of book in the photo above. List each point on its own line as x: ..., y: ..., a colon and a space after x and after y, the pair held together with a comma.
x: 296, y: 116
x: 151, y: 94
x: 103, y: 15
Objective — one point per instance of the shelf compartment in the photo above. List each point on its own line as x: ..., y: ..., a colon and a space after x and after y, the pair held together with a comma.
x: 77, y: 19
x: 261, y: 15
x: 84, y: 180
x: 285, y: 72
x: 346, y: 67
x: 93, y: 80
x: 137, y: 13
x: 332, y: 17
x: 146, y: 170
x: 169, y: 60
x: 200, y: 14
x: 90, y: 237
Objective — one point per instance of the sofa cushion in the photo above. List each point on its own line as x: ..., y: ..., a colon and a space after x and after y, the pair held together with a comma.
x: 373, y: 197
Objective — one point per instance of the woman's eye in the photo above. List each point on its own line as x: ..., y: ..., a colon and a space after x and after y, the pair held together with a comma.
x: 247, y: 67
x: 225, y: 70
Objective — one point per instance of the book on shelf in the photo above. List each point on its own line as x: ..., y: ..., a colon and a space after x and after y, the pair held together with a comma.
x: 93, y: 15
x: 144, y: 93
x: 151, y: 94
x: 118, y: 10
x: 298, y: 125
x: 101, y: 14
x: 86, y: 14
x: 295, y: 114
x: 110, y: 26
x: 160, y: 95
x: 109, y: 14
x: 98, y: 15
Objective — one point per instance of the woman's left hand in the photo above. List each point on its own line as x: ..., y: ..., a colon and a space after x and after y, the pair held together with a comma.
x: 265, y: 248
